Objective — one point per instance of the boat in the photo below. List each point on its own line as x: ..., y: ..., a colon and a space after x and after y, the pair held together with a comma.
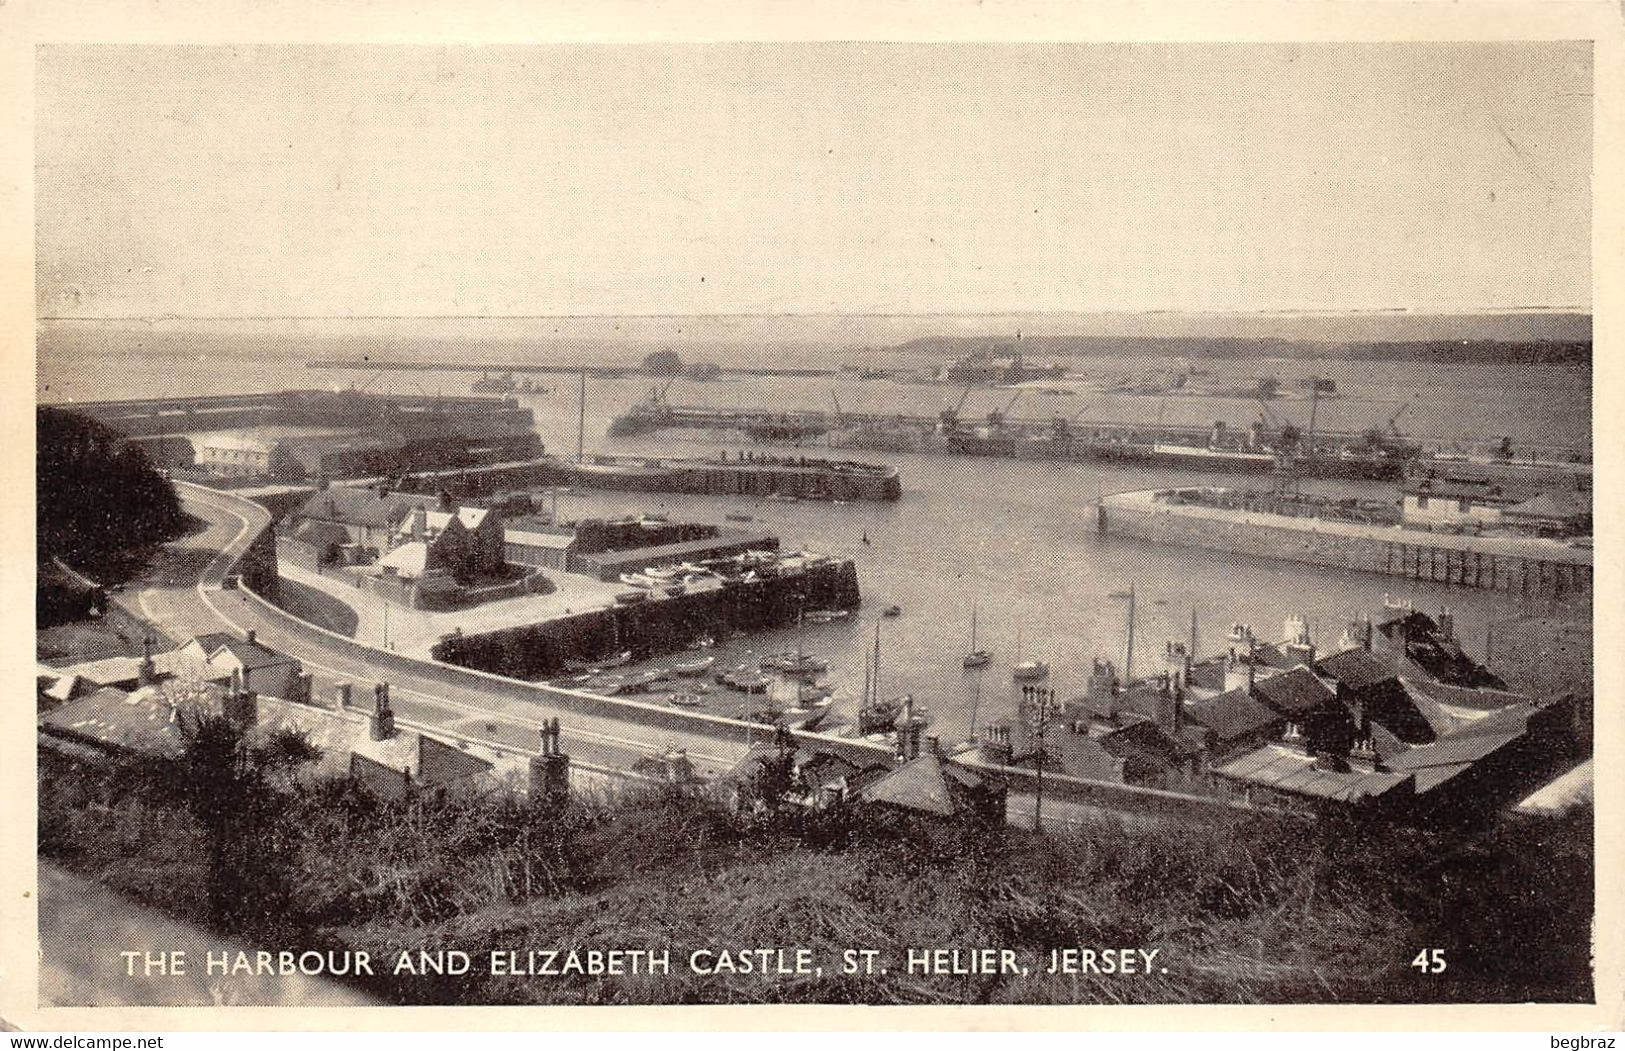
x: 975, y: 658
x: 781, y: 498
x: 704, y: 642
x: 1026, y: 671
x: 1029, y: 671
x: 892, y: 611
x: 734, y: 517
x: 623, y: 657
x: 637, y: 580
x: 686, y: 700
x: 824, y: 616
x: 794, y: 664
x: 694, y: 667
x: 1119, y: 593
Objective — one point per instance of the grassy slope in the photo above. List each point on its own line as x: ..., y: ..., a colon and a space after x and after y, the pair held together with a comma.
x: 1254, y: 912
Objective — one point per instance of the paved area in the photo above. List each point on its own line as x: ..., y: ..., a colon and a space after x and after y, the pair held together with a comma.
x: 392, y: 626
x: 183, y: 596
x: 1515, y: 547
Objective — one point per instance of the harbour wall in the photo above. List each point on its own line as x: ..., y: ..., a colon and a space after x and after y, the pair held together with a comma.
x: 651, y: 628
x: 1547, y: 571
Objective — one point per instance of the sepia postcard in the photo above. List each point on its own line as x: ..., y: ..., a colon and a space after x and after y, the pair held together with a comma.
x: 1022, y: 516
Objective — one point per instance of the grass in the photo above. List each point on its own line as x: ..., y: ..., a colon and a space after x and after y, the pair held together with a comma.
x: 115, y: 634
x: 1251, y: 912
x: 317, y: 607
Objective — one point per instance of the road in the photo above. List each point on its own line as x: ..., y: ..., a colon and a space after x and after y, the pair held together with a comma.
x: 182, y: 593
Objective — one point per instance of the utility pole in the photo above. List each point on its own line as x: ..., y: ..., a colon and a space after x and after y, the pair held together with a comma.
x: 1128, y: 661
x: 1037, y: 701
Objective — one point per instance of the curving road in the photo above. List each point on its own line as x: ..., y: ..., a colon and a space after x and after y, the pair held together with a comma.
x: 183, y: 594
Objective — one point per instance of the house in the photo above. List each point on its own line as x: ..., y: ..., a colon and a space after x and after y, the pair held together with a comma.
x: 1434, y: 501
x: 1424, y: 648
x: 1370, y: 688
x: 234, y: 455
x: 221, y: 657
x: 1558, y: 514
x: 1233, y: 722
x: 932, y: 785
x: 817, y: 778
x: 532, y: 542
x: 111, y: 721
x: 315, y: 545
x: 369, y: 517
x: 465, y: 542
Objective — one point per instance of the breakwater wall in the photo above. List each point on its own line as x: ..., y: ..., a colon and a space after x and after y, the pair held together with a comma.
x: 1534, y: 568
x: 647, y: 629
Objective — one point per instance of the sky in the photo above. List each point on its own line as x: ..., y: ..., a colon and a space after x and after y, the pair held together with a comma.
x: 811, y: 178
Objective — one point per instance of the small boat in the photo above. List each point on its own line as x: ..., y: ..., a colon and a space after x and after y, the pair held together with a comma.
x: 781, y: 498
x: 1120, y: 593
x: 637, y: 580
x: 628, y: 598
x: 694, y: 667
x: 623, y: 657
x: 975, y: 658
x: 704, y: 642
x: 1029, y: 671
x: 734, y: 517
x: 686, y: 700
x: 892, y: 611
x: 824, y: 616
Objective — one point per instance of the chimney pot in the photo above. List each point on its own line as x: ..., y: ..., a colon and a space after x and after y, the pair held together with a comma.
x: 251, y: 637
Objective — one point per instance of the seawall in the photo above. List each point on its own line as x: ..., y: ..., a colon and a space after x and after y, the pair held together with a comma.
x: 1539, y: 569
x: 536, y: 651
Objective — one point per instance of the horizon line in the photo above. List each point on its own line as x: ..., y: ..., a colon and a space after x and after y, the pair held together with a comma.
x: 1388, y: 311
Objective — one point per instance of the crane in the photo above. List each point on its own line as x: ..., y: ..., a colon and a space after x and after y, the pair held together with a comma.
x: 950, y: 417
x: 1393, y: 420
x: 996, y: 417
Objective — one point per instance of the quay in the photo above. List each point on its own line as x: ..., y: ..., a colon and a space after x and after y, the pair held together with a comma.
x: 601, y: 371
x: 762, y: 477
x: 1538, y: 567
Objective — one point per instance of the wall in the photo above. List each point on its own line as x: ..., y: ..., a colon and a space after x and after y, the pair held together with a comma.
x: 537, y: 651
x: 1414, y: 558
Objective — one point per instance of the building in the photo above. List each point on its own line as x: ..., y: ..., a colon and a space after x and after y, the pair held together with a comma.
x: 1557, y: 514
x: 932, y: 785
x: 466, y: 542
x: 1458, y: 500
x: 368, y: 517
x: 232, y: 455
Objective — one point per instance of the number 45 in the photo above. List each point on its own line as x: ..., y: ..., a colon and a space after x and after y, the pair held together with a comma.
x: 1429, y: 961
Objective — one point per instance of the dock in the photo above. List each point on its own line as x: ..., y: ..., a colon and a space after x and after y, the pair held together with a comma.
x: 1532, y: 566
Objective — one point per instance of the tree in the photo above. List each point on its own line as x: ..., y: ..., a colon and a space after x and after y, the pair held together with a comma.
x: 663, y: 363
x: 235, y: 785
x: 99, y: 496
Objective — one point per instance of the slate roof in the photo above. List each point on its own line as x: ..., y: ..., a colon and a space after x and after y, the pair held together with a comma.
x: 1286, y: 770
x: 928, y: 783
x: 1293, y: 692
x: 142, y: 721
x: 319, y: 534
x: 107, y: 671
x: 1231, y: 714
x: 1357, y: 669
x: 251, y: 655
x: 359, y: 507
x: 1143, y: 740
x: 1564, y: 506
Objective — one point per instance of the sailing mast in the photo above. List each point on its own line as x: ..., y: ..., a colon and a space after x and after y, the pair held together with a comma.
x: 973, y: 626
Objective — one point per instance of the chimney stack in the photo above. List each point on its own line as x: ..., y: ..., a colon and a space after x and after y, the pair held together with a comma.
x: 550, y: 771
x: 241, y: 705
x: 1447, y: 622
x: 304, y: 689
x: 383, y: 719
x: 149, y: 671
